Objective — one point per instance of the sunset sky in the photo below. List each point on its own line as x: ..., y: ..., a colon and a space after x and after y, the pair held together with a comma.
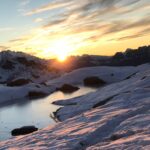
x: 49, y: 28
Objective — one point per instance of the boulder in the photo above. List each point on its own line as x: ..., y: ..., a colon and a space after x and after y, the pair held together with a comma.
x: 18, y: 82
x: 36, y: 94
x: 93, y: 81
x: 23, y: 130
x: 67, y: 88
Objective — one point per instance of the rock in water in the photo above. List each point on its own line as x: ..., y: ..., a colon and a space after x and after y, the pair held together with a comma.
x: 93, y: 81
x: 67, y: 88
x: 23, y: 130
x: 36, y: 94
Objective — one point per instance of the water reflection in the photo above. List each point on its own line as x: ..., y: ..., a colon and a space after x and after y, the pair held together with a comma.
x: 36, y: 112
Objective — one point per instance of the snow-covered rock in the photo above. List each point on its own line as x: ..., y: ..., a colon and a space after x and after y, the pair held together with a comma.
x: 21, y: 73
x: 15, y: 65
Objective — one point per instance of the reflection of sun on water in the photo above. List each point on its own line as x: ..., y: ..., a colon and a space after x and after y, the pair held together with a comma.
x: 61, y: 49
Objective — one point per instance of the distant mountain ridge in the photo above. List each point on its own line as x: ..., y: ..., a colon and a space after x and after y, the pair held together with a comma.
x: 132, y: 57
x: 9, y: 60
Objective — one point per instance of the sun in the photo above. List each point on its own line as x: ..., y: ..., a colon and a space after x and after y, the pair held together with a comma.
x: 61, y: 49
x: 62, y: 58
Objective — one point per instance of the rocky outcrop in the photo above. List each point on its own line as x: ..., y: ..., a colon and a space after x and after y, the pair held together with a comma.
x: 67, y: 88
x: 36, y: 94
x: 23, y: 130
x: 132, y: 57
x: 18, y: 82
x: 93, y: 81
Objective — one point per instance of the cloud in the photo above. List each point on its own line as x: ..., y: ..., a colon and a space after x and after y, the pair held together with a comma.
x: 20, y: 40
x: 25, y: 2
x: 135, y: 35
x: 4, y: 29
x: 3, y: 48
x: 38, y: 20
x: 87, y: 21
x: 53, y: 5
x: 121, y: 25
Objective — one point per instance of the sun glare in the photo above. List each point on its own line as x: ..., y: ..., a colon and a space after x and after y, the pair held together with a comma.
x: 61, y: 50
x: 62, y: 58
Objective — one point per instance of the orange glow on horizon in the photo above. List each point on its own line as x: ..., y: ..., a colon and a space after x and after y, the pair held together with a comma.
x: 61, y: 58
x: 61, y: 49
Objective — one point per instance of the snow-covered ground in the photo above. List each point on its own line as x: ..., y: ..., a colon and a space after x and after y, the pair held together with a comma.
x: 116, y: 116
x: 108, y: 74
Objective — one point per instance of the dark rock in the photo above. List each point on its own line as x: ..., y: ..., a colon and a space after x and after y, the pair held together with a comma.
x: 27, y: 63
x: 36, y: 94
x: 3, y: 82
x: 67, y: 88
x: 101, y: 103
x: 144, y: 77
x: 35, y: 76
x: 8, y: 65
x: 18, y: 82
x: 43, y: 83
x: 38, y: 86
x: 55, y: 114
x: 115, y: 137
x: 112, y: 74
x: 93, y: 81
x: 23, y: 130
x: 119, y: 56
x: 132, y: 57
x: 130, y: 76
x: 128, y: 133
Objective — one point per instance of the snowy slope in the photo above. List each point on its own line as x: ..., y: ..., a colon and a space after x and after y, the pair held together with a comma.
x: 116, y: 116
x: 131, y: 85
x: 108, y: 74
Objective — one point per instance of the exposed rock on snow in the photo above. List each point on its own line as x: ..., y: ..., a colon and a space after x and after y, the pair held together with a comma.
x: 14, y: 65
x: 67, y: 88
x: 18, y: 82
x: 107, y: 74
x: 116, y: 116
x: 23, y: 130
x: 14, y: 94
x: 20, y: 74
x: 8, y: 65
x: 93, y: 81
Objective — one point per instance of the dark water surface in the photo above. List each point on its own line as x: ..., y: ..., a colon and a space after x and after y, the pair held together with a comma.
x: 36, y: 112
